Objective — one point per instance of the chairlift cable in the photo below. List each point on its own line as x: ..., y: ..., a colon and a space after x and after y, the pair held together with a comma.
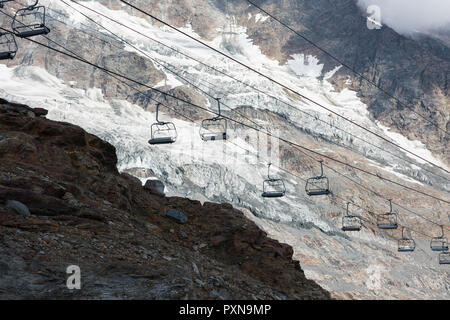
x: 277, y: 82
x: 258, y: 125
x: 148, y: 56
x: 112, y: 73
x: 109, y: 72
x: 345, y: 65
x: 243, y: 124
x: 270, y: 96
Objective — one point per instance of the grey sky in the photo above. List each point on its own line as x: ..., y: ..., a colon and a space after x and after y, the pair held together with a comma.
x: 409, y: 16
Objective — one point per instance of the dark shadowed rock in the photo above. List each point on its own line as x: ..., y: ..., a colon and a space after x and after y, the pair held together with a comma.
x: 18, y: 207
x: 40, y: 112
x: 177, y: 216
x: 155, y: 186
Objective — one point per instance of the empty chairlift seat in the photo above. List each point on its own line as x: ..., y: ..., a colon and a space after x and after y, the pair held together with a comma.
x: 273, y: 188
x: 444, y: 257
x: 351, y: 222
x: 162, y: 132
x: 317, y: 186
x: 8, y: 46
x: 406, y: 243
x: 214, y: 128
x: 439, y: 243
x: 30, y: 21
x: 387, y: 220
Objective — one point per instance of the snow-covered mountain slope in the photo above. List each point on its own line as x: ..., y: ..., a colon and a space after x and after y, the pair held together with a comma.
x: 362, y: 265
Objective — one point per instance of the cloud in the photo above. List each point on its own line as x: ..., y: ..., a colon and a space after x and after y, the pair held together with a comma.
x: 410, y: 16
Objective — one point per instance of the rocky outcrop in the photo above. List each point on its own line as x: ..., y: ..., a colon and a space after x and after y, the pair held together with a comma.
x: 83, y: 212
x: 155, y: 186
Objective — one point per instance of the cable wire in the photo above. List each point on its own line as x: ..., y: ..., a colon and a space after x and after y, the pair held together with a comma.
x: 176, y: 74
x: 113, y: 74
x: 237, y: 122
x: 345, y: 65
x: 263, y: 92
x: 278, y: 83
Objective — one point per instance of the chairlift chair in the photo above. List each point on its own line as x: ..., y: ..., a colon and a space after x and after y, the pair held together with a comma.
x: 444, y: 257
x: 350, y: 222
x: 406, y: 244
x: 30, y: 21
x: 317, y: 186
x: 8, y: 46
x: 439, y: 243
x: 214, y: 128
x: 162, y: 132
x: 273, y: 188
x: 388, y: 220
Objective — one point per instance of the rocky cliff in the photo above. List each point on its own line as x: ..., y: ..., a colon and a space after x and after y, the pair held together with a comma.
x: 63, y: 202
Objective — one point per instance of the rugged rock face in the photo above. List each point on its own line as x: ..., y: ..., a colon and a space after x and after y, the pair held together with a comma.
x: 83, y: 212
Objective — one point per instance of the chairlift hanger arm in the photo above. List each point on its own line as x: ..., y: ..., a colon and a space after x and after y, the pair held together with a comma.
x: 31, y: 7
x: 268, y: 171
x: 321, y: 168
x: 157, y: 112
x: 348, y: 203
x: 218, y: 106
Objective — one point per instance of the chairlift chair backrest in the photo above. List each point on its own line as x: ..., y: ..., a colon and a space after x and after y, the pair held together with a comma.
x: 351, y: 222
x: 215, y: 128
x: 162, y: 132
x: 406, y: 243
x: 439, y: 243
x: 8, y: 46
x: 388, y: 220
x: 30, y: 21
x: 319, y: 185
x: 444, y: 257
x: 273, y: 188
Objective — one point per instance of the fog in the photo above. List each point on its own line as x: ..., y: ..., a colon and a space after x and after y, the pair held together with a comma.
x: 410, y: 16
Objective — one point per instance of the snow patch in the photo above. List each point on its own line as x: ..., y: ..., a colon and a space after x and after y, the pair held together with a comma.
x: 305, y: 66
x: 412, y: 145
x: 260, y: 18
